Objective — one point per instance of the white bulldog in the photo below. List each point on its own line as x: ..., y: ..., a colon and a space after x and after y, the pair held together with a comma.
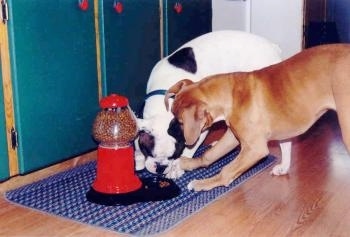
x: 217, y: 52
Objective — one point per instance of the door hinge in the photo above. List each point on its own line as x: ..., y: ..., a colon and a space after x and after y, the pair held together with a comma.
x: 4, y: 13
x: 14, y: 139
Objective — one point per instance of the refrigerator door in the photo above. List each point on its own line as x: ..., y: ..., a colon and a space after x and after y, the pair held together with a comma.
x: 231, y: 15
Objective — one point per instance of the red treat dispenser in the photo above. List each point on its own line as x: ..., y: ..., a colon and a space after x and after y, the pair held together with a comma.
x: 115, y: 129
x: 116, y: 182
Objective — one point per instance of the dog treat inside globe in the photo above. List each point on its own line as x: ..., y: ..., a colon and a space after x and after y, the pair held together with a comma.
x: 115, y: 127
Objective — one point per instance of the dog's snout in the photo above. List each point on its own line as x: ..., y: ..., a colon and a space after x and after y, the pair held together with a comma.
x: 176, y: 132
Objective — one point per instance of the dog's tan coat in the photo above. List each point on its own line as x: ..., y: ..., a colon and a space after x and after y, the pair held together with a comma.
x: 275, y: 103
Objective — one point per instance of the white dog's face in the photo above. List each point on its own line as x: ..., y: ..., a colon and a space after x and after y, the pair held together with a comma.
x: 159, y: 138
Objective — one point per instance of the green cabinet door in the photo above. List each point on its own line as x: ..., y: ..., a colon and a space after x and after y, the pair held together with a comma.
x: 185, y: 20
x: 53, y: 65
x: 131, y: 47
x: 4, y: 167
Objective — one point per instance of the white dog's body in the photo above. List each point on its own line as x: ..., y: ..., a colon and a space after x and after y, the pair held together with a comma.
x: 215, y: 52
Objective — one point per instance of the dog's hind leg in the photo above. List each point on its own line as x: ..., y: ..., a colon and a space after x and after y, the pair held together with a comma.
x: 283, y: 167
x: 341, y: 88
x: 343, y: 111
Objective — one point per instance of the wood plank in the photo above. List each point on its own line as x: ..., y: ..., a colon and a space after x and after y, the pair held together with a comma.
x: 98, y: 48
x: 8, y: 98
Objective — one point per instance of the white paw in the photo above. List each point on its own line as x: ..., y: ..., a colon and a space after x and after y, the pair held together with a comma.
x: 190, y: 185
x: 173, y: 171
x: 139, y: 161
x: 279, y: 169
x: 151, y: 165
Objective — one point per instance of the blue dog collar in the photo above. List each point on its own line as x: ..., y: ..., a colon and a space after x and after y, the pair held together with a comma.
x: 156, y: 92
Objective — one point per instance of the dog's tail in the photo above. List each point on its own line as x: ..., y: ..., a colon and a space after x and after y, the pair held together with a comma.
x: 173, y: 90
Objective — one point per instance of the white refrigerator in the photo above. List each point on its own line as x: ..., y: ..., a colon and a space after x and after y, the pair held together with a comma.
x: 280, y: 21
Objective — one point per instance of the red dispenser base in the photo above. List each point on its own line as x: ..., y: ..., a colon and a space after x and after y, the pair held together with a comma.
x: 116, y: 171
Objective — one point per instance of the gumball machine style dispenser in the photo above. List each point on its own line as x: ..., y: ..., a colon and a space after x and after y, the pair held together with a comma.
x: 116, y: 182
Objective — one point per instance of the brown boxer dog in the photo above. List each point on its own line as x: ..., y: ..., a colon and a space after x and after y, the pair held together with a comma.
x: 274, y: 103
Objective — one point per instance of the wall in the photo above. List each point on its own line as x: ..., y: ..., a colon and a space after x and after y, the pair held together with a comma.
x: 276, y: 20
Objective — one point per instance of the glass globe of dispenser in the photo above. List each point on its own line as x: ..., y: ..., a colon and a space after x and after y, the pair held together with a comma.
x: 115, y: 125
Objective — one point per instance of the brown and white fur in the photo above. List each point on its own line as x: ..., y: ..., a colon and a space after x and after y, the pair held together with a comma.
x: 159, y: 142
x: 274, y: 103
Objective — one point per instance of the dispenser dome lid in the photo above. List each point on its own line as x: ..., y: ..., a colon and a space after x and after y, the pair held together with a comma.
x: 114, y: 101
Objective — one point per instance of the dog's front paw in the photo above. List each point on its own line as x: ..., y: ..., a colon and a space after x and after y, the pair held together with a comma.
x: 188, y: 164
x: 139, y: 161
x: 198, y: 185
x: 151, y: 165
x: 173, y: 171
x: 209, y: 183
x: 279, y: 169
x: 191, y: 185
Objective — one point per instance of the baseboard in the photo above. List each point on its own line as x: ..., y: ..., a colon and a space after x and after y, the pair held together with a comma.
x: 20, y: 180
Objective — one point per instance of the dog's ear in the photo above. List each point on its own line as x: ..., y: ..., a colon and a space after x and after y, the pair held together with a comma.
x: 203, y: 114
x: 173, y: 90
x: 195, y: 119
x: 209, y: 120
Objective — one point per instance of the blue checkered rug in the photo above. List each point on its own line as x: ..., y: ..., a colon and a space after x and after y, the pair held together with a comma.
x: 63, y: 195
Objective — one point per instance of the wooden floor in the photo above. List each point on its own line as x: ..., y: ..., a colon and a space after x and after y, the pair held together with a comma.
x: 313, y: 200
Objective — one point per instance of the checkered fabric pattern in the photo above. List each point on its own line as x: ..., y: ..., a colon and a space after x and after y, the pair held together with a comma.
x: 63, y: 195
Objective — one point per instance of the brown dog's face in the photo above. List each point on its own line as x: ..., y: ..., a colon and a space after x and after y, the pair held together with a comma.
x: 189, y: 110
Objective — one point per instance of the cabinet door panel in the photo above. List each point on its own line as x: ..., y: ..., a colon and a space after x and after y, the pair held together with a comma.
x: 131, y: 47
x: 53, y: 57
x: 4, y: 167
x: 193, y: 19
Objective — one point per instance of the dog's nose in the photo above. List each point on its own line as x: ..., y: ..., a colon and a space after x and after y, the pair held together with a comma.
x: 160, y: 168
